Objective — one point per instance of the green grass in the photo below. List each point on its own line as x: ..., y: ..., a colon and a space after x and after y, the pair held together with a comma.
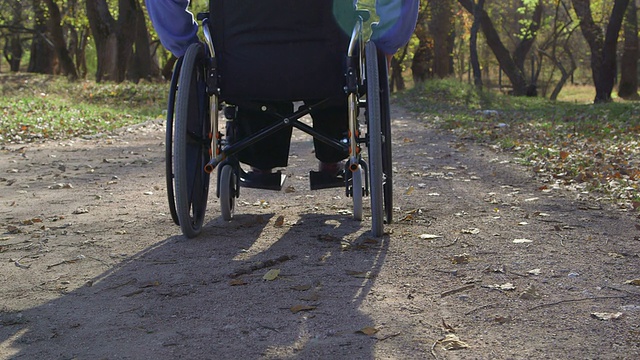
x: 571, y: 142
x: 37, y: 107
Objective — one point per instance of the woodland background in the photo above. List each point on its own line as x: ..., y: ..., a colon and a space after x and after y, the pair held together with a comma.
x: 526, y: 47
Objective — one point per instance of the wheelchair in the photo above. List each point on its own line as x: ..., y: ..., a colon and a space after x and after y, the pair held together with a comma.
x: 208, y: 81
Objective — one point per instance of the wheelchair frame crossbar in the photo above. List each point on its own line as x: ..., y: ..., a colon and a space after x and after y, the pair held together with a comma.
x: 292, y: 120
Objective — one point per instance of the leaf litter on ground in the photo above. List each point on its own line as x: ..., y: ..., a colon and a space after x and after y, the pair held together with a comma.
x: 566, y: 145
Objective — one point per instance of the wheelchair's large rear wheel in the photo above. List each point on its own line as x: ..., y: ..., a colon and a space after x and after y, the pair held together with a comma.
x: 385, y: 124
x: 168, y: 147
x: 192, y: 144
x: 379, y: 139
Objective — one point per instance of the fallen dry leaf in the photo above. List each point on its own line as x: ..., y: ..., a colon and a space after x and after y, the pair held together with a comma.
x: 534, y: 272
x: 271, y: 275
x: 460, y: 259
x: 262, y: 204
x: 530, y: 293
x: 430, y: 236
x: 61, y: 186
x: 31, y: 221
x: 357, y: 274
x: 298, y: 308
x: 369, y: 330
x: 470, y: 231
x: 506, y: 287
x: 149, y: 284
x: 408, y: 217
x: 452, y: 342
x: 279, y: 221
x: 606, y: 316
x: 635, y: 282
x: 237, y: 282
x: 502, y: 319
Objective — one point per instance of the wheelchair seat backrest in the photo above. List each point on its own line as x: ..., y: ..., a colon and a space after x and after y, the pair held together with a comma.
x: 281, y: 49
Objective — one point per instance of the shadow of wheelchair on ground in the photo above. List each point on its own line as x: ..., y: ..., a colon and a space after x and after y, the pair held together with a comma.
x: 206, y: 298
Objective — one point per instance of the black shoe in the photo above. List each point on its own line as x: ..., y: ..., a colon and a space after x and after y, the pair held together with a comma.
x: 332, y: 169
x: 262, y: 179
x: 331, y: 175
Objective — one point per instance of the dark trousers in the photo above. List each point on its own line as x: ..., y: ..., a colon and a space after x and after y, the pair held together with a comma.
x: 273, y: 151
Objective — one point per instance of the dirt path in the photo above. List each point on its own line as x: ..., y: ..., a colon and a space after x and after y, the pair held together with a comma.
x: 92, y: 266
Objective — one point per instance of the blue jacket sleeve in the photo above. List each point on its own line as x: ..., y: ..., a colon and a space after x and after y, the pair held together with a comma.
x: 397, y: 23
x: 174, y: 24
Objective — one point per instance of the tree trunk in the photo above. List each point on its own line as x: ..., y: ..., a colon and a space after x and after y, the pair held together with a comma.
x: 42, y: 56
x: 77, y: 37
x: 565, y: 74
x: 421, y: 65
x: 13, y: 42
x: 603, y: 46
x: 114, y: 43
x: 57, y: 37
x: 507, y: 63
x: 125, y: 27
x: 628, y: 87
x: 562, y: 28
x: 13, y: 52
x: 142, y: 64
x: 440, y: 28
x: 421, y: 69
x: 81, y: 56
x: 524, y: 46
x: 77, y: 47
x: 102, y: 27
x: 473, y: 44
x: 396, y: 79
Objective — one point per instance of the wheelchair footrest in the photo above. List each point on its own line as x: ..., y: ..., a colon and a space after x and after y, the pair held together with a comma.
x: 321, y: 180
x: 272, y: 181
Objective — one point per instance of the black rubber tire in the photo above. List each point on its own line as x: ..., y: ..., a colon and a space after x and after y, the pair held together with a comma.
x: 168, y: 144
x: 374, y: 134
x: 356, y: 193
x: 191, y: 142
x: 385, y: 123
x: 227, y: 182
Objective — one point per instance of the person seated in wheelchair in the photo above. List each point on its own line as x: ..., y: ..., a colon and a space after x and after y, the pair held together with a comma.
x: 278, y: 56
